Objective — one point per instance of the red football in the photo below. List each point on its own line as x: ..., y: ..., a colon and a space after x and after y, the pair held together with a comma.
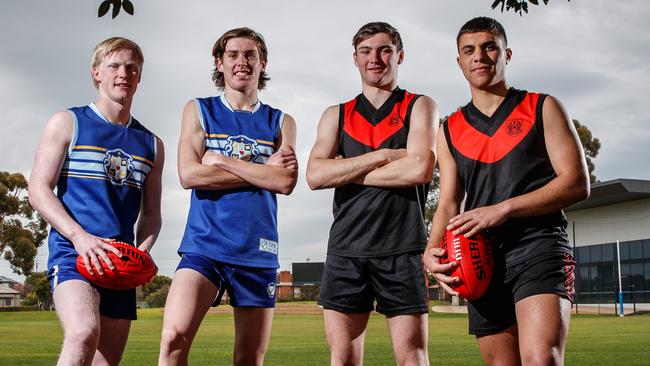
x: 132, y: 268
x: 475, y: 262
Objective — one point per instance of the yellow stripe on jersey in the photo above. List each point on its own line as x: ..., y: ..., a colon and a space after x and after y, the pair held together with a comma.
x: 88, y: 147
x: 143, y: 159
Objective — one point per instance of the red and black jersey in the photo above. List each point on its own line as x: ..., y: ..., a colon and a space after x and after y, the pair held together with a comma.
x: 503, y: 156
x: 371, y: 221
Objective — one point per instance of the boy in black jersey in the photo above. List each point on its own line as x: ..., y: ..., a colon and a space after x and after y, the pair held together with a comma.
x: 515, y: 158
x: 377, y: 152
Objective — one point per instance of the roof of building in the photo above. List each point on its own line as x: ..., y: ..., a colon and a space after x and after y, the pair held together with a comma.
x: 4, y: 279
x: 614, y: 191
x: 8, y: 291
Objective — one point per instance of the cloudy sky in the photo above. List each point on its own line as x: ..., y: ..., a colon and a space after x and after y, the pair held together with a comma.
x: 592, y: 55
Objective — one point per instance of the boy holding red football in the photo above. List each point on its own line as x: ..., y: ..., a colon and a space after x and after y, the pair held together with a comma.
x: 376, y: 151
x: 106, y: 168
x: 235, y: 153
x: 515, y: 158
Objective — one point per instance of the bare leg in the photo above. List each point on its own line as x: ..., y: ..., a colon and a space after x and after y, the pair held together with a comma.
x: 500, y: 349
x: 77, y: 305
x: 345, y: 336
x: 409, y: 334
x: 252, y: 333
x: 190, y: 297
x: 543, y: 328
x: 112, y: 341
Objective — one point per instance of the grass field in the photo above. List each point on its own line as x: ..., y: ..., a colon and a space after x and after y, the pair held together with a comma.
x: 34, y: 338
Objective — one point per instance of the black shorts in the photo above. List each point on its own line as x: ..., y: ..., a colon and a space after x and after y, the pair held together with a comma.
x: 545, y: 274
x: 398, y: 283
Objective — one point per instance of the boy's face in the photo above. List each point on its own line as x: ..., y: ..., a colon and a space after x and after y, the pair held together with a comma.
x: 378, y: 59
x: 118, y: 75
x: 482, y: 57
x: 241, y: 64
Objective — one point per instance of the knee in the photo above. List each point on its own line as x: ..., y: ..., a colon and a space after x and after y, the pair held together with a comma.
x: 172, y: 339
x: 250, y: 357
x: 416, y: 357
x: 543, y: 357
x: 83, y: 336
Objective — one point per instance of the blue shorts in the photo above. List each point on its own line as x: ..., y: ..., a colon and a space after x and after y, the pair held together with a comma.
x: 246, y: 286
x: 117, y: 304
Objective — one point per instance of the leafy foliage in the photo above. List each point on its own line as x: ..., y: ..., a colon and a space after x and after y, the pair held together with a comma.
x: 158, y: 298
x: 105, y: 6
x: 38, y: 291
x: 518, y: 6
x: 156, y: 284
x: 22, y: 230
x: 591, y: 146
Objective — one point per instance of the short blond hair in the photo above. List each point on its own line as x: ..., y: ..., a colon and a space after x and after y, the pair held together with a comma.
x: 111, y: 45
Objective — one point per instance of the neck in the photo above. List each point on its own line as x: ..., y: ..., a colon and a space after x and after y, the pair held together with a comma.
x: 488, y: 100
x: 119, y: 113
x: 241, y: 100
x: 377, y: 95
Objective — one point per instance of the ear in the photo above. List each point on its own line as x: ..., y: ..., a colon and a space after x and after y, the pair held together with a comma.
x: 219, y: 64
x: 354, y: 58
x: 458, y: 61
x: 400, y: 57
x: 263, y: 65
x: 508, y: 55
x: 96, y: 75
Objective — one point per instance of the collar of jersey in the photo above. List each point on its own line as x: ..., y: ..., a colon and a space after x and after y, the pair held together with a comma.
x: 100, y: 115
x: 227, y: 105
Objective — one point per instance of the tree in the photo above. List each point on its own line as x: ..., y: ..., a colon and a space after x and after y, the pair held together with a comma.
x: 155, y: 284
x: 158, y: 298
x: 38, y: 291
x: 518, y: 6
x: 591, y: 146
x: 22, y: 230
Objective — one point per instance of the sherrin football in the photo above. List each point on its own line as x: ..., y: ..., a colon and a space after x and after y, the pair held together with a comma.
x: 132, y: 268
x: 475, y: 263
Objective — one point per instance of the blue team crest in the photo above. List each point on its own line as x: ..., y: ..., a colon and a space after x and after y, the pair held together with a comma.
x: 241, y: 147
x: 270, y: 289
x: 118, y: 165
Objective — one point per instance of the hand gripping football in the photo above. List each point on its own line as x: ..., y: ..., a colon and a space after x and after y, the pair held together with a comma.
x: 475, y: 262
x: 132, y: 268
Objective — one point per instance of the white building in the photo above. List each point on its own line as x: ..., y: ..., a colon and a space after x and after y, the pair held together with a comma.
x: 617, y: 210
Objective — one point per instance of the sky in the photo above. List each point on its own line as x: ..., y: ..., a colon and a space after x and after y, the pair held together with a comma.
x: 591, y: 55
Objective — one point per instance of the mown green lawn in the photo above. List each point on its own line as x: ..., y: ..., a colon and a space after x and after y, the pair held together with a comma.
x: 34, y: 338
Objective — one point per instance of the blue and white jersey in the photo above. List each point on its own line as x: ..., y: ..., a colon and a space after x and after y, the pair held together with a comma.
x: 237, y: 226
x: 101, y: 180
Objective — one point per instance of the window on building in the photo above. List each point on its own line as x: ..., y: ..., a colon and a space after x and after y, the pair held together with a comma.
x: 608, y: 252
x: 606, y: 274
x: 646, y: 248
x: 596, y: 253
x: 636, y: 249
x: 593, y: 276
x: 584, y: 284
x: 7, y: 302
x: 636, y: 276
x: 625, y: 251
x: 625, y: 276
x: 583, y: 255
x: 646, y: 275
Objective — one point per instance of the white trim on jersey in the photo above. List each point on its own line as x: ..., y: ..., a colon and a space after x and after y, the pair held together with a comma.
x: 100, y: 115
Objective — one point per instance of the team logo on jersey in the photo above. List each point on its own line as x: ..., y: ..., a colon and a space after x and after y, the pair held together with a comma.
x: 270, y: 289
x: 515, y: 127
x: 241, y: 147
x: 395, y: 120
x: 118, y: 165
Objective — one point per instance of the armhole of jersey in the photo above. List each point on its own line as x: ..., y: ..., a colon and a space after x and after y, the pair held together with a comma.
x: 409, y: 109
x: 539, y: 116
x: 339, y: 133
x: 450, y: 145
x: 280, y: 124
x: 75, y: 132
x: 155, y: 148
x: 199, y: 111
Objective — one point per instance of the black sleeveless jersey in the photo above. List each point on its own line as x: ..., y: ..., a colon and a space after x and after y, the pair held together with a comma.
x: 371, y: 221
x: 503, y: 156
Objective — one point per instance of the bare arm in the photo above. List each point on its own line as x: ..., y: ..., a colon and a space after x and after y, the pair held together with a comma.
x: 191, y: 147
x: 451, y: 195
x: 50, y: 155
x: 149, y: 222
x: 326, y: 170
x: 279, y: 174
x: 417, y: 166
x: 571, y: 184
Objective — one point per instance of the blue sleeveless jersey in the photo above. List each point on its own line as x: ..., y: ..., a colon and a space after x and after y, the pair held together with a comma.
x: 100, y: 184
x: 237, y: 226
